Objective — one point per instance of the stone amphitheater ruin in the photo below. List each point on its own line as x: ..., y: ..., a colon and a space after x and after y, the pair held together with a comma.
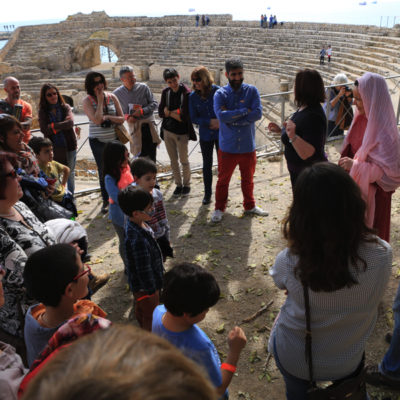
x: 62, y: 52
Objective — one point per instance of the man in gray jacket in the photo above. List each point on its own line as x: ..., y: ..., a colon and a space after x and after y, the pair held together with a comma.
x: 138, y: 104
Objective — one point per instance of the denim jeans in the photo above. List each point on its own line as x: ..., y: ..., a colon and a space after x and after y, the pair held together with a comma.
x: 390, y: 365
x: 97, y: 150
x: 296, y: 388
x: 207, y: 148
x: 71, y: 161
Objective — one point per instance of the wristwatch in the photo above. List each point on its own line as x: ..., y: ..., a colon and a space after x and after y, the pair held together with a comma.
x: 293, y: 140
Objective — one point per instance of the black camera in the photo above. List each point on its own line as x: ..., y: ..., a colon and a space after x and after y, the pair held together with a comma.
x: 106, y: 124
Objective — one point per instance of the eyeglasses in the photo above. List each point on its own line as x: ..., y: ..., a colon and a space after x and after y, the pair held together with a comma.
x: 51, y: 94
x: 196, y: 80
x: 88, y: 270
x: 11, y: 174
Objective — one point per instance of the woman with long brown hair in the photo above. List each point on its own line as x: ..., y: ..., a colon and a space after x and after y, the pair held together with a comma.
x: 201, y: 107
x: 336, y: 260
x: 57, y: 123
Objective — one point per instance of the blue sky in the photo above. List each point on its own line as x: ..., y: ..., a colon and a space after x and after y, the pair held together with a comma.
x: 339, y: 11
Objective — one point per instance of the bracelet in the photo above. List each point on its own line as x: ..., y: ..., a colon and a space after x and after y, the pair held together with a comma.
x: 146, y: 296
x: 293, y: 140
x: 228, y: 367
x: 141, y: 111
x: 52, y: 127
x: 178, y: 111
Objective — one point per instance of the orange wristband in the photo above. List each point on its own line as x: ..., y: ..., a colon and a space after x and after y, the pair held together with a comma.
x: 146, y: 296
x: 178, y: 111
x: 52, y: 127
x: 141, y: 111
x: 228, y: 367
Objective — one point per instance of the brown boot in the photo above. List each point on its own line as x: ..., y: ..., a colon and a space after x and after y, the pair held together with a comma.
x: 98, y: 281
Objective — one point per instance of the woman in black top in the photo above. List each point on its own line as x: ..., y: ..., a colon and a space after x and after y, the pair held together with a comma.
x: 304, y: 133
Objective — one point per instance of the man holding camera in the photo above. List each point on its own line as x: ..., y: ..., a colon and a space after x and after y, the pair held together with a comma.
x: 17, y: 107
x: 138, y: 104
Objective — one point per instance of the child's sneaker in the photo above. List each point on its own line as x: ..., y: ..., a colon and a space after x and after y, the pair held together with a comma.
x: 217, y: 216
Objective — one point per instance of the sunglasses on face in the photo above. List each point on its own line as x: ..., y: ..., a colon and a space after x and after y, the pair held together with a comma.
x: 98, y: 82
x: 88, y: 270
x: 196, y: 80
x: 51, y: 94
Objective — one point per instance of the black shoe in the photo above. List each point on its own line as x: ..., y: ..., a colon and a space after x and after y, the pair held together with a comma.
x: 185, y: 191
x: 104, y: 207
x: 374, y: 377
x: 388, y: 337
x: 206, y: 199
x: 177, y: 191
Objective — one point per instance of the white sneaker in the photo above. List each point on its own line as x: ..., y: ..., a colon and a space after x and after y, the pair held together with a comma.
x: 257, y: 211
x: 217, y: 216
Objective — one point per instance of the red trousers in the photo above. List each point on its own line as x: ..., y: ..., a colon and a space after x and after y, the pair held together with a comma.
x: 227, y: 163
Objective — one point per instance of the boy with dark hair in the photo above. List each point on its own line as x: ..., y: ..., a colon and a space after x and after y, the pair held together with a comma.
x: 56, y: 277
x: 144, y: 173
x: 56, y: 173
x: 144, y: 258
x: 177, y: 128
x: 189, y: 292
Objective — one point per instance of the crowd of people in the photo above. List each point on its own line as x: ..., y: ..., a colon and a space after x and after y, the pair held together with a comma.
x: 334, y: 270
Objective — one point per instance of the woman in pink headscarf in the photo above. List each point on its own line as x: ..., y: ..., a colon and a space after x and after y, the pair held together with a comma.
x: 371, y: 150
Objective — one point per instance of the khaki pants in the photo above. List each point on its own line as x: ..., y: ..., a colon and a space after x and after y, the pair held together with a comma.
x: 177, y: 148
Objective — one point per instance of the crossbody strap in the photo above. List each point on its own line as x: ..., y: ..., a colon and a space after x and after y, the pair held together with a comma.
x: 308, y: 338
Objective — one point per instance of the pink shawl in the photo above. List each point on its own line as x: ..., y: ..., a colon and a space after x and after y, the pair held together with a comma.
x: 378, y: 158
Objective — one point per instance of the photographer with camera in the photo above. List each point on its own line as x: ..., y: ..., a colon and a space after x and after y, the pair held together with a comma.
x: 104, y: 112
x: 341, y: 113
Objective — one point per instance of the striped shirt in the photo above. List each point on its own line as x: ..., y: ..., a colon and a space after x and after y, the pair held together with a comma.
x: 96, y: 131
x: 341, y: 321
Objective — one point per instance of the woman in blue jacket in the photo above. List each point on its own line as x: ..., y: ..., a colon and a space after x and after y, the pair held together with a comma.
x: 201, y: 107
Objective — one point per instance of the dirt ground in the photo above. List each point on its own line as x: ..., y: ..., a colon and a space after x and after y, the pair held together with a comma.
x: 239, y: 252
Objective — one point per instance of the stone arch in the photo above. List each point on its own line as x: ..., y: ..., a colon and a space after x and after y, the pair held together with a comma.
x: 87, y: 54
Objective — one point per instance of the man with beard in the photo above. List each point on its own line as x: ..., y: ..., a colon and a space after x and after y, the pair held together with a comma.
x: 237, y: 107
x: 17, y: 107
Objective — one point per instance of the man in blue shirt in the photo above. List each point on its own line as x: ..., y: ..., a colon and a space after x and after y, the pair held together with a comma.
x: 237, y: 107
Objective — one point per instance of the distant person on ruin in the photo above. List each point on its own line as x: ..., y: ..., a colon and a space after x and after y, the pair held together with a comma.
x: 138, y: 106
x: 207, y: 20
x: 104, y: 111
x: 274, y: 22
x: 322, y: 56
x: 371, y: 150
x: 271, y: 21
x: 262, y: 20
x: 17, y: 107
x: 177, y: 129
x: 197, y: 19
x: 203, y: 20
x: 329, y: 53
x: 237, y: 107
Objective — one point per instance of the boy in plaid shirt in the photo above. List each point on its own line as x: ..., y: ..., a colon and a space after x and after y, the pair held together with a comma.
x: 144, y: 259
